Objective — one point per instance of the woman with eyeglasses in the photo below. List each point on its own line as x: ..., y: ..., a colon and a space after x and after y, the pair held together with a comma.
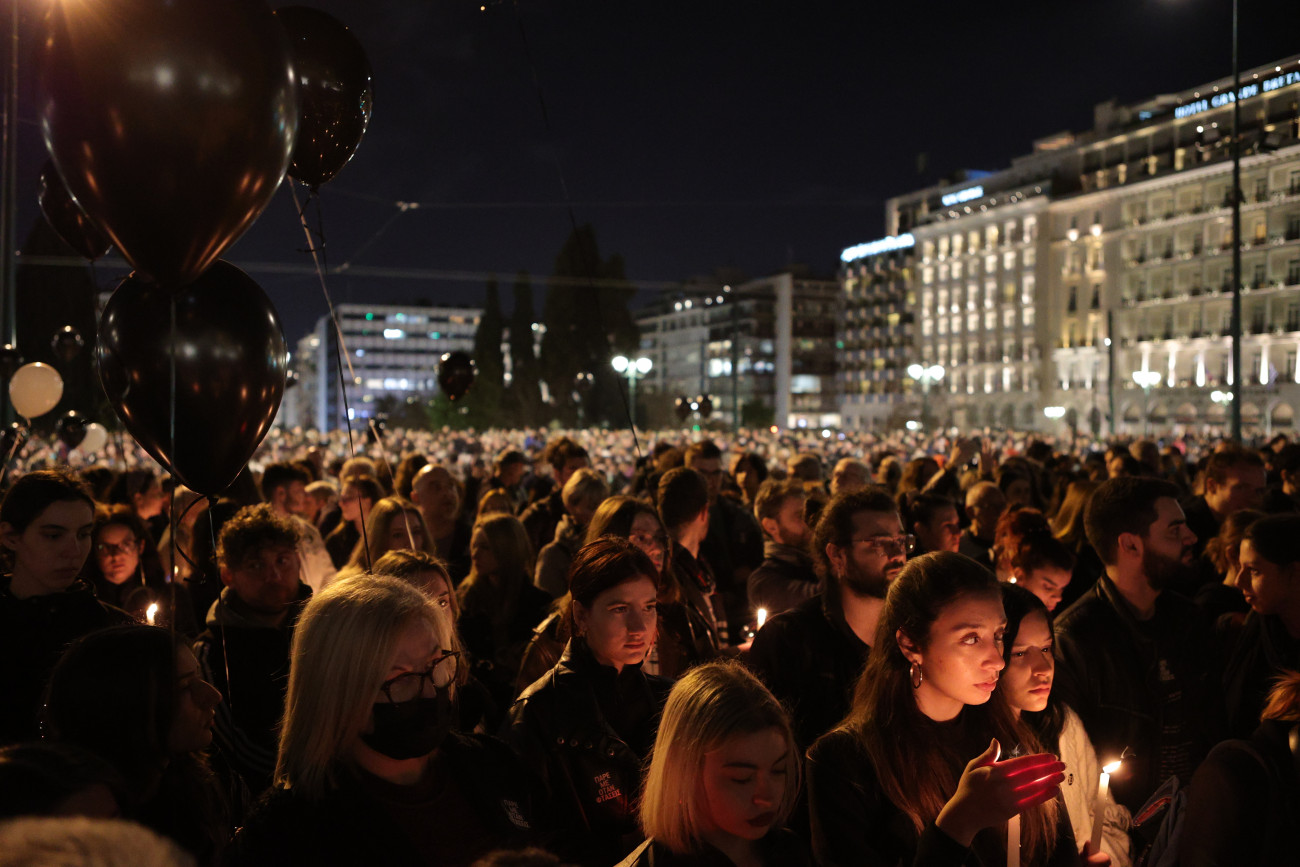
x: 930, y: 764
x: 586, y: 727
x: 125, y: 572
x: 369, y: 769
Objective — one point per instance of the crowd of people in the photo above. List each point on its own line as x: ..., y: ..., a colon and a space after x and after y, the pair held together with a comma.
x: 554, y: 648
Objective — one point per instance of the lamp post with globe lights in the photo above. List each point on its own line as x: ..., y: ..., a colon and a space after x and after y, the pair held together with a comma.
x: 925, y: 375
x: 632, y: 368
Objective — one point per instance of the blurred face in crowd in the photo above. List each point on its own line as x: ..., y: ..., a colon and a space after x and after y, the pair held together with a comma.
x: 196, y: 707
x: 1019, y: 493
x: 49, y: 554
x: 511, y: 473
x: 985, y: 508
x: 849, y: 475
x: 621, y: 623
x: 435, y: 583
x: 405, y: 533
x: 1027, y: 679
x: 118, y: 552
x: 744, y: 782
x: 789, y: 527
x: 962, y: 656
x: 290, y: 498
x: 267, y: 579
x: 1242, y: 488
x: 1269, y: 588
x: 571, y: 466
x: 875, y: 554
x: 1167, y: 546
x: 353, y: 506
x: 711, y: 469
x: 436, y: 493
x: 941, y: 533
x: 149, y: 502
x: 746, y: 477
x: 1048, y: 583
x: 646, y: 535
x: 480, y: 554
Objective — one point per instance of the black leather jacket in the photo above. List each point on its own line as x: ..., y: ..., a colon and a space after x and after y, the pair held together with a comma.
x: 1108, y: 671
x: 586, y: 731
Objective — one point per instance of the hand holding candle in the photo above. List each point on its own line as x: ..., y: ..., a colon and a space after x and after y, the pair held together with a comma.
x: 1099, y: 807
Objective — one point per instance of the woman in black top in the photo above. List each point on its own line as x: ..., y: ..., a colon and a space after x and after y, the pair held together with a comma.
x: 588, y: 724
x: 723, y: 778
x: 913, y: 775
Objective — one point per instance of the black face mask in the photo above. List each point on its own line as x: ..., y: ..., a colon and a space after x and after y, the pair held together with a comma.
x: 410, y: 729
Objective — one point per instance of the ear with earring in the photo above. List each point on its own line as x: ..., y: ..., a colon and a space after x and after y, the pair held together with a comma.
x: 916, y: 674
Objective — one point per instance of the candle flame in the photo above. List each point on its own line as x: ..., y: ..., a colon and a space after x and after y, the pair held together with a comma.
x: 151, y: 612
x: 1112, y: 767
x: 762, y: 617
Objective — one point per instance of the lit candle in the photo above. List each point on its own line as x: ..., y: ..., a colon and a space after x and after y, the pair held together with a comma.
x: 151, y: 612
x: 761, y: 617
x: 1099, y: 808
x: 1013, y: 841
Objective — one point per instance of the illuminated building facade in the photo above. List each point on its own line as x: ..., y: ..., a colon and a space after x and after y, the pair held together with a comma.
x: 393, y: 352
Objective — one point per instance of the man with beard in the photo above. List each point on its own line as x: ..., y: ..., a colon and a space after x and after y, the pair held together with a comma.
x: 786, y: 576
x: 1135, y: 660
x: 811, y: 656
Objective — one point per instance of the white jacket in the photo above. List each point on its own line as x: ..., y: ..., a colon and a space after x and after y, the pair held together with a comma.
x: 1082, y: 776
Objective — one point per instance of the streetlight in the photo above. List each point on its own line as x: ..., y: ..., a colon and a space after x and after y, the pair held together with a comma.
x: 631, y: 368
x: 925, y: 375
x: 1147, y: 379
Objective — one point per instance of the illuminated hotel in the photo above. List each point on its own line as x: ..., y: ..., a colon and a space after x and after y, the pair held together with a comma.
x: 1099, y: 256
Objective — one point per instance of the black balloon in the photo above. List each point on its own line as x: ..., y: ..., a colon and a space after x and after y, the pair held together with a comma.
x: 66, y: 218
x: 67, y: 343
x: 71, y: 428
x: 230, y: 364
x: 456, y: 374
x: 334, y: 94
x: 171, y: 123
x: 706, y: 405
x: 12, y: 439
x: 10, y: 360
x: 683, y: 408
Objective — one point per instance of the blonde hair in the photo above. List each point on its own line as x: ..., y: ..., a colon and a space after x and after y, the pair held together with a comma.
x: 710, y: 704
x: 1284, y: 698
x: 585, y: 487
x: 378, y: 523
x: 343, y: 646
x: 76, y: 841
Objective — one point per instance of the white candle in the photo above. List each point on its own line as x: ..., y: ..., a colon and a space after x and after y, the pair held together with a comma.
x: 761, y: 617
x: 151, y: 612
x: 1099, y: 808
x: 1013, y: 841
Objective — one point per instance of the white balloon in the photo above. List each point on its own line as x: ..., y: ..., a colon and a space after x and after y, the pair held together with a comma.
x: 35, y: 389
x: 96, y: 438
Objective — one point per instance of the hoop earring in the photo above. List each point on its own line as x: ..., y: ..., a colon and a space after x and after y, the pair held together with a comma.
x: 917, y: 675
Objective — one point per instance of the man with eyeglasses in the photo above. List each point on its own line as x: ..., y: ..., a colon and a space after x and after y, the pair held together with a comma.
x: 244, y: 651
x: 786, y: 576
x: 811, y: 656
x: 1135, y: 659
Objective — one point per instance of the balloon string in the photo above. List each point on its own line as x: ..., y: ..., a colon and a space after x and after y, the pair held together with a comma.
x: 583, y: 258
x: 341, y: 348
x: 171, y: 511
x: 13, y: 452
x: 176, y: 548
x: 383, y: 456
x: 225, y: 655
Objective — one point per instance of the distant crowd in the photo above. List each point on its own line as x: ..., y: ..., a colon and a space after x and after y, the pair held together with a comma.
x: 575, y: 648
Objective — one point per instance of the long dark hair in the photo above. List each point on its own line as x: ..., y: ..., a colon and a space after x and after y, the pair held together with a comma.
x: 916, y: 770
x: 1018, y: 603
x: 114, y: 692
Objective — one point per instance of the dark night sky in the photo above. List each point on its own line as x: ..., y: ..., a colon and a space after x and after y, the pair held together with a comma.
x: 699, y: 134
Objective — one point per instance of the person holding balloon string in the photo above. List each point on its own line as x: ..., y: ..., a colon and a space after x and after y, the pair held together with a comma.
x: 918, y: 772
x: 46, y: 528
